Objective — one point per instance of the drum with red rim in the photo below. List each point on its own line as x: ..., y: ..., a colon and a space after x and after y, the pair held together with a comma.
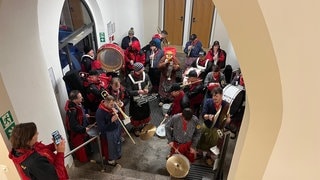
x: 111, y: 57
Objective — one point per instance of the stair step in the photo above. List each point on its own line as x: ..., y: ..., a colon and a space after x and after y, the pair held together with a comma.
x: 88, y: 171
x: 138, y: 174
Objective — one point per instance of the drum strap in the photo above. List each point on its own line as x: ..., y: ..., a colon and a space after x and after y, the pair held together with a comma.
x: 216, y: 117
x: 86, y: 55
x: 138, y: 82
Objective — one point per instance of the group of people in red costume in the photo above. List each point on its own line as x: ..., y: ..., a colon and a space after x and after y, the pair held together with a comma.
x: 196, y: 117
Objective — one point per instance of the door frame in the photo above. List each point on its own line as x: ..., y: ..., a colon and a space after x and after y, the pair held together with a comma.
x: 188, y: 21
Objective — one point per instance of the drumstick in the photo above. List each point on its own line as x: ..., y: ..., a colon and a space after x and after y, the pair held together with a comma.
x: 91, y: 125
x: 163, y: 120
x: 176, y: 150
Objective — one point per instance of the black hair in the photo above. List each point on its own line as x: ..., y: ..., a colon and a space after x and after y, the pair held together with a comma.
x: 217, y: 90
x: 215, y: 68
x: 164, y: 32
x: 193, y: 37
x: 73, y: 95
x: 187, y: 114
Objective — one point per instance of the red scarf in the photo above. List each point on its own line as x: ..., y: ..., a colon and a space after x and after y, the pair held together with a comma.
x: 216, y: 77
x: 104, y: 107
x: 184, y: 125
x: 217, y: 106
x: 193, y: 43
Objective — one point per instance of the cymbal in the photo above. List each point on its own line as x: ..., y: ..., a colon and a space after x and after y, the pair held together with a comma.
x: 147, y: 132
x: 178, y: 166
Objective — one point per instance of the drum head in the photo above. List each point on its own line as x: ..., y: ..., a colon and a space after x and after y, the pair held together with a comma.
x: 93, y: 131
x: 165, y: 108
x: 234, y: 95
x: 161, y: 131
x: 111, y: 57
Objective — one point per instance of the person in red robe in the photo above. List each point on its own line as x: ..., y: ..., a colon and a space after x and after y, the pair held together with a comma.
x: 76, y: 122
x: 132, y: 55
x: 217, y: 55
x: 180, y: 101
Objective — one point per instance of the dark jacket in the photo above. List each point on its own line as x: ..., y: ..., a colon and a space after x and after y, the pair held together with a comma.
x: 103, y: 118
x: 39, y: 163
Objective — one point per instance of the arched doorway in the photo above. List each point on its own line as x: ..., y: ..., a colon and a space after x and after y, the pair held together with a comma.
x: 76, y: 30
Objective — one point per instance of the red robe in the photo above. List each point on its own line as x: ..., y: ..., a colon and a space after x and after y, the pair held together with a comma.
x: 47, y: 151
x: 76, y: 138
x: 133, y: 53
x: 176, y: 104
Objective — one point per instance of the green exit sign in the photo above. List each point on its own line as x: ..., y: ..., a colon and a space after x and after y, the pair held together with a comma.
x: 102, y: 37
x: 7, y: 123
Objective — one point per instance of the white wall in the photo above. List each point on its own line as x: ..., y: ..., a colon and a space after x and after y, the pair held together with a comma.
x: 48, y: 35
x: 150, y: 21
x: 129, y: 15
x: 220, y: 34
x: 24, y: 66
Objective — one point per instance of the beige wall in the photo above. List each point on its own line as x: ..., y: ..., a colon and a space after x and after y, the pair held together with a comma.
x: 7, y: 168
x: 276, y: 43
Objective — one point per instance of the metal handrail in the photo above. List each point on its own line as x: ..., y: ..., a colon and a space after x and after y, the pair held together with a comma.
x: 85, y: 143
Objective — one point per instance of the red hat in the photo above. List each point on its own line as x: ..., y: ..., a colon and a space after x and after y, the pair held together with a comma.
x: 168, y: 49
x: 136, y: 45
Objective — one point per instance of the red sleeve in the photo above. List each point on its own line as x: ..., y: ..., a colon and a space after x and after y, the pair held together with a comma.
x: 51, y: 147
x: 222, y: 56
x: 162, y: 63
x: 176, y: 64
x: 209, y: 56
x: 142, y: 58
x: 126, y: 58
x: 59, y: 165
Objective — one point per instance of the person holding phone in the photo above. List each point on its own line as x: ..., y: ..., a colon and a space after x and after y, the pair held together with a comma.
x: 33, y: 159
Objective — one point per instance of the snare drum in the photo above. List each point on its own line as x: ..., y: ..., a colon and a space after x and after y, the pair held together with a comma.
x: 165, y: 108
x: 93, y: 131
x: 161, y: 131
x: 234, y: 95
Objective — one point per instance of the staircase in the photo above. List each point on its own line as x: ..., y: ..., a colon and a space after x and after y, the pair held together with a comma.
x: 89, y: 171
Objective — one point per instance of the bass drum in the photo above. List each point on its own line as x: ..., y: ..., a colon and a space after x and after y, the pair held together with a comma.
x: 111, y: 57
x: 235, y: 96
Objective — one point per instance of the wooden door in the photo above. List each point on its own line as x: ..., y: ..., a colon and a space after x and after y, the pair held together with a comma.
x: 174, y: 20
x: 201, y: 20
x: 76, y: 14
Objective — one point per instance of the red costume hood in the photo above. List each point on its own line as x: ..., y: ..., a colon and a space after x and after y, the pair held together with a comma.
x: 136, y: 46
x: 24, y: 153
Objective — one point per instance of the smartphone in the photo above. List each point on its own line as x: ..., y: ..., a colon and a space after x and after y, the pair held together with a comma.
x: 56, y: 137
